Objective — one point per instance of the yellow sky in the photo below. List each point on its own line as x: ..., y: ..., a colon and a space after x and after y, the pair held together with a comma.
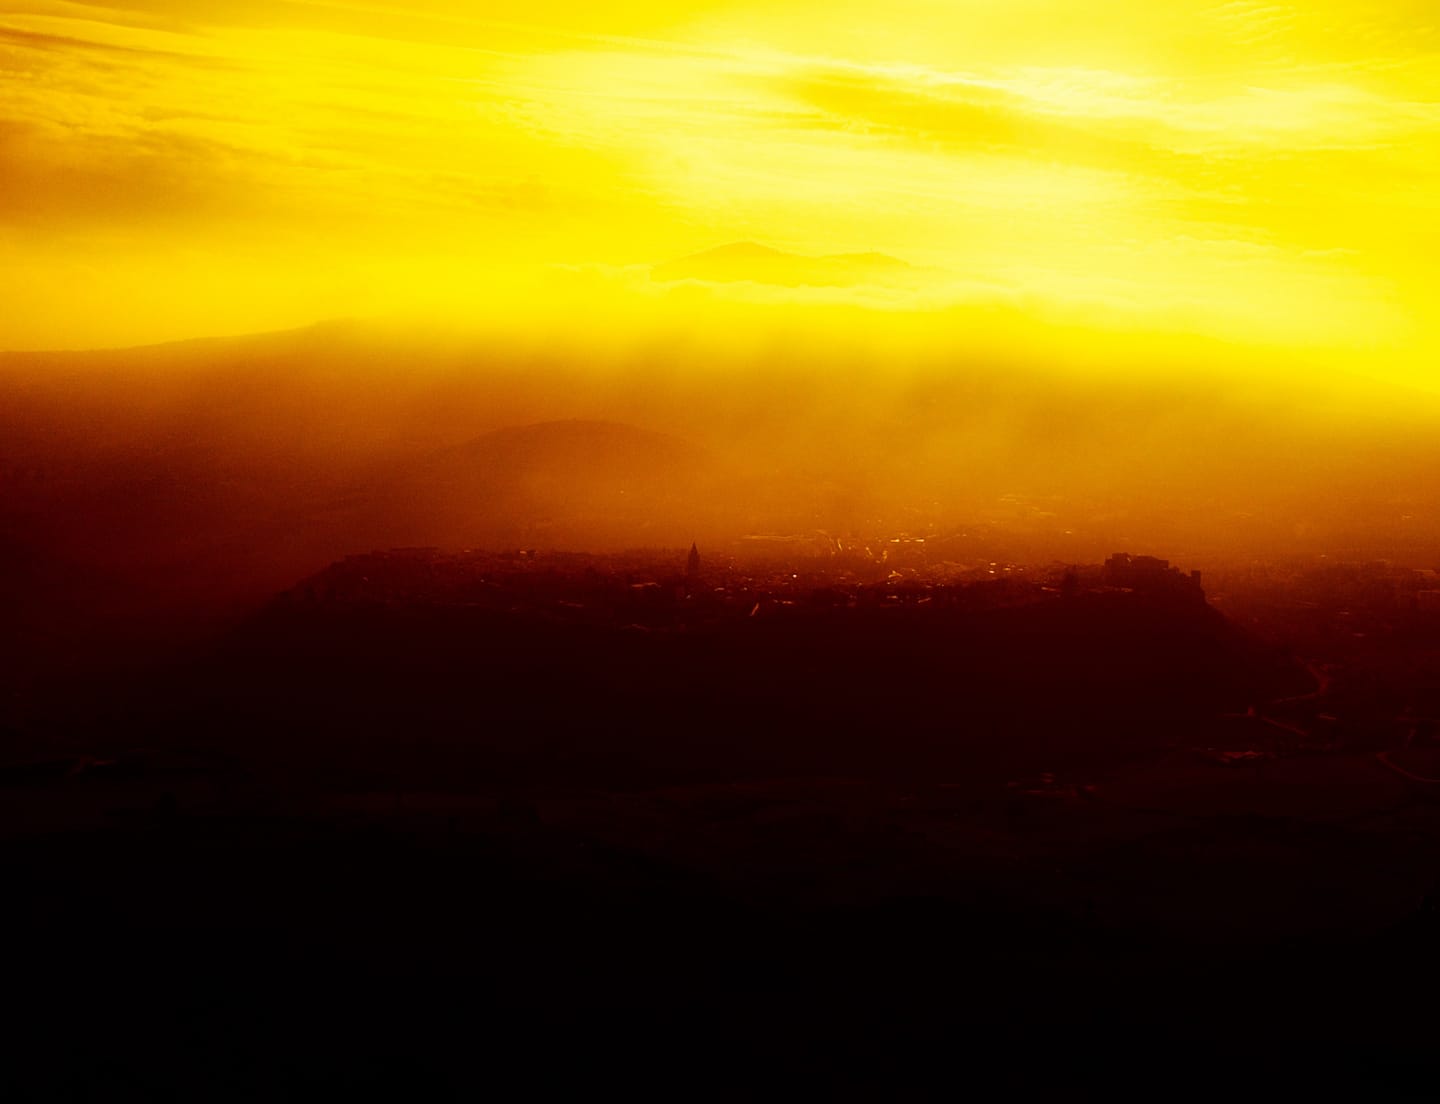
x: 1252, y: 171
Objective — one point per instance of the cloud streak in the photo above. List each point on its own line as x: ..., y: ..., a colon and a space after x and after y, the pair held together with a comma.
x: 1245, y: 169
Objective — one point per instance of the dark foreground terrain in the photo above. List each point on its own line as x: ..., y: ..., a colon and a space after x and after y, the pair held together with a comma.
x: 441, y: 833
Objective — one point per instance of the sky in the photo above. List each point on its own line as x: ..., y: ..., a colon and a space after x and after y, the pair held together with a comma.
x: 1255, y: 173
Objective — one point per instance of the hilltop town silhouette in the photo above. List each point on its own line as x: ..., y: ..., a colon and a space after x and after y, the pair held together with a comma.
x: 436, y: 810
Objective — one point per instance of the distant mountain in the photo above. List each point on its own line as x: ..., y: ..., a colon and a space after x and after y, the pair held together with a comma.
x: 572, y: 448
x: 573, y: 483
x: 750, y: 262
x: 147, y: 490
